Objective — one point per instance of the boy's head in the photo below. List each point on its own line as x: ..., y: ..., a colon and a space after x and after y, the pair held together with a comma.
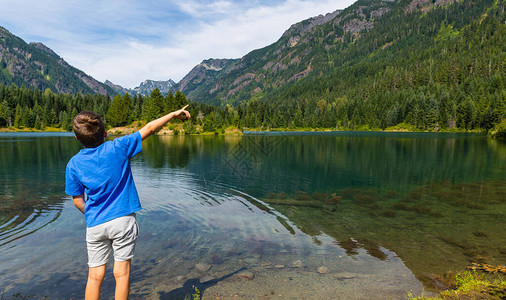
x: 89, y: 129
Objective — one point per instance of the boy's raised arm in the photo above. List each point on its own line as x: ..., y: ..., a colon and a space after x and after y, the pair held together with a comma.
x: 157, y: 124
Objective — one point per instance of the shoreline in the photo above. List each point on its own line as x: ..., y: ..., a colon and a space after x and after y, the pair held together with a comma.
x: 234, y: 131
x: 48, y: 129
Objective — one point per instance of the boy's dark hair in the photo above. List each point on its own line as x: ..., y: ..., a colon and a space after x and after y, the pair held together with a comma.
x: 89, y: 129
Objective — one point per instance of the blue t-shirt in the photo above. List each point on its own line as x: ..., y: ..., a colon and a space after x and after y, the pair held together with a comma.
x: 104, y: 175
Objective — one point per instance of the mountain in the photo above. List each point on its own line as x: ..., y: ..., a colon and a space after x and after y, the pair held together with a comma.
x: 313, y: 53
x: 204, y: 73
x: 145, y: 88
x: 36, y: 65
x: 298, y: 53
x: 118, y: 89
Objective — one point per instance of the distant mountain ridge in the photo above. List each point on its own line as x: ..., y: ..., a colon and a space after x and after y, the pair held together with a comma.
x: 36, y: 65
x: 147, y: 86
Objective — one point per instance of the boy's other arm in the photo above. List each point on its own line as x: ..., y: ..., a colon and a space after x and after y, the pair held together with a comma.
x: 157, y: 124
x: 79, y: 202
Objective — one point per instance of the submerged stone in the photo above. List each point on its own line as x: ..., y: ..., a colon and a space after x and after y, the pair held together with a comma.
x: 246, y: 275
x: 343, y: 276
x: 297, y: 264
x: 334, y: 198
x: 251, y: 260
x: 203, y: 267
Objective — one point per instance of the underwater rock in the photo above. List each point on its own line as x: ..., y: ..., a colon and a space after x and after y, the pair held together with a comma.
x: 488, y: 268
x: 302, y: 196
x: 334, y: 198
x: 203, y: 267
x: 323, y: 270
x: 246, y: 275
x: 179, y: 278
x: 251, y: 260
x: 279, y: 266
x: 297, y: 264
x: 216, y: 259
x: 343, y: 276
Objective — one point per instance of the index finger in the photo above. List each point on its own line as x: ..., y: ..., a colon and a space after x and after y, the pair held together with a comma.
x: 185, y: 107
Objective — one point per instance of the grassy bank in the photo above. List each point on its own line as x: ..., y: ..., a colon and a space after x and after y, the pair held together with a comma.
x: 179, y: 128
x: 470, y: 285
x: 25, y: 129
x: 402, y: 127
x: 174, y: 129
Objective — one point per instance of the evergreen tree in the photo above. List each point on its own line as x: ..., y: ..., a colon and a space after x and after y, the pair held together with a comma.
x: 153, y: 106
x: 120, y: 111
x: 17, y: 117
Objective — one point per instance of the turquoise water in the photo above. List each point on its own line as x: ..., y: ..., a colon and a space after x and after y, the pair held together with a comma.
x: 385, y: 213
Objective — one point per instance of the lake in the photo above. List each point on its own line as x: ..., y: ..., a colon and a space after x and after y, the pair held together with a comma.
x: 311, y: 215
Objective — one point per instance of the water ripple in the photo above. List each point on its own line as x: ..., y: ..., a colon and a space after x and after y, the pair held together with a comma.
x: 15, y: 226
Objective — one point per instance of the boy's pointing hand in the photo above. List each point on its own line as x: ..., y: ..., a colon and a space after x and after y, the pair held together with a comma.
x: 182, y: 114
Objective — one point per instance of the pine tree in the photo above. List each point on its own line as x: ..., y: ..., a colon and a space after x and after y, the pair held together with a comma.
x: 120, y: 111
x: 17, y: 117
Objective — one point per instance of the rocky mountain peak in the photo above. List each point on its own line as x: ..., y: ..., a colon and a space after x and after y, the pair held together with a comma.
x: 425, y: 5
x: 303, y: 27
x: 203, y: 71
x: 45, y: 48
x: 147, y: 86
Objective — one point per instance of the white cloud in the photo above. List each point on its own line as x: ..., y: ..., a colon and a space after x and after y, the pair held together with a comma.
x: 130, y: 41
x: 199, y: 9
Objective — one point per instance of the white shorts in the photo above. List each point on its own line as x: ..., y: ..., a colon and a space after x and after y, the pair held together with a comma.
x: 119, y: 235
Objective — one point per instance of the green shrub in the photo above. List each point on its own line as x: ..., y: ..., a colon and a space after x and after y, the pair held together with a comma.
x: 499, y: 130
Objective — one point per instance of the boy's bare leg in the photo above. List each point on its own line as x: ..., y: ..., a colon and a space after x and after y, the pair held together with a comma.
x: 95, y: 278
x: 122, y: 275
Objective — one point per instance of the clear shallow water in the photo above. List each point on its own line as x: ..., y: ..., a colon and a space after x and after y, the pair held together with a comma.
x: 382, y: 212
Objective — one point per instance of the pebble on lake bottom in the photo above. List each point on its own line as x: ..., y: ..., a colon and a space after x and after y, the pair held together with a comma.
x: 343, y: 276
x: 267, y: 265
x: 203, y: 267
x: 246, y: 275
x: 323, y: 270
x: 297, y: 264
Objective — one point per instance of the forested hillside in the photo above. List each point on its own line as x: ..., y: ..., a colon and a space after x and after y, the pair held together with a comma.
x: 35, y: 65
x: 441, y: 68
x: 427, y: 64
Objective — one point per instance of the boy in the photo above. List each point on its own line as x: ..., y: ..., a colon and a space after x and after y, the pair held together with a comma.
x: 102, y: 172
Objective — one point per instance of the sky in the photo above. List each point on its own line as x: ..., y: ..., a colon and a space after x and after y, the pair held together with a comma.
x: 129, y: 41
